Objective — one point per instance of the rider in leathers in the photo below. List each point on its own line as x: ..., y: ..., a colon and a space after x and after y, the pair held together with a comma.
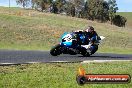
x: 90, y: 37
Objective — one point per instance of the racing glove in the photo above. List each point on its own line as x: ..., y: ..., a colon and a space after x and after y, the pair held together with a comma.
x: 89, y: 45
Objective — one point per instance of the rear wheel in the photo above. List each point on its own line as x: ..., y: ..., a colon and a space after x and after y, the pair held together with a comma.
x: 56, y: 50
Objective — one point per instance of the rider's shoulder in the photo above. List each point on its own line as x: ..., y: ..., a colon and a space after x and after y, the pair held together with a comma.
x: 78, y: 31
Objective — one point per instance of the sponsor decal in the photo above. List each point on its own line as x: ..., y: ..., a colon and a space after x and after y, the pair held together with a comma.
x: 83, y: 78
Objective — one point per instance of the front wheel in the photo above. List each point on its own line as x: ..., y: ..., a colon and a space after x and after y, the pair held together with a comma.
x: 84, y: 51
x: 86, y: 54
x: 56, y: 50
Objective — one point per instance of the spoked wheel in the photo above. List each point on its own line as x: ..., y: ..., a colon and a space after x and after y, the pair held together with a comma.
x: 56, y: 50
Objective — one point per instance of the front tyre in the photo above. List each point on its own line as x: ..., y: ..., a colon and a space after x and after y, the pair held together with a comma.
x: 86, y: 54
x: 84, y: 51
x: 56, y: 50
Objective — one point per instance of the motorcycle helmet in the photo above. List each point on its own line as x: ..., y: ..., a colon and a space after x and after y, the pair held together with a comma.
x: 89, y: 29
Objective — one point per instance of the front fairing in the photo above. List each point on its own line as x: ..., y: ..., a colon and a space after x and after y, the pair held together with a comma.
x: 66, y: 39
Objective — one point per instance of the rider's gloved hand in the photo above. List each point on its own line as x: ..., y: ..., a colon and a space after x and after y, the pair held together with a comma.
x: 89, y: 45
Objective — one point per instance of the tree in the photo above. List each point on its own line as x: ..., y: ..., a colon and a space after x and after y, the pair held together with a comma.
x: 33, y: 3
x: 77, y: 6
x: 102, y: 11
x: 60, y: 5
x: 98, y: 10
x: 24, y: 3
x: 112, y: 8
x: 70, y: 9
x: 55, y: 9
x: 91, y: 9
x: 84, y: 12
x: 119, y: 21
x: 43, y: 4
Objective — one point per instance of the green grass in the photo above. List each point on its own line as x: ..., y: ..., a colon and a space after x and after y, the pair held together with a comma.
x: 31, y: 30
x: 58, y: 75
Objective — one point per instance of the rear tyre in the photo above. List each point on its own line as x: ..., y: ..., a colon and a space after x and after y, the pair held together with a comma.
x: 56, y: 50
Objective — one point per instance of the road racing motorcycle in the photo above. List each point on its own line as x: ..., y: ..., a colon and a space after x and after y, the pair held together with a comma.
x: 69, y: 44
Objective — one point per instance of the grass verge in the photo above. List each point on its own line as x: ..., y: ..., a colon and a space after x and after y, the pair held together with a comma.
x: 31, y: 30
x: 58, y: 75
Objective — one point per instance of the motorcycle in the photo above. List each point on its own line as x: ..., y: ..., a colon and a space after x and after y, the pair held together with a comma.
x: 70, y: 45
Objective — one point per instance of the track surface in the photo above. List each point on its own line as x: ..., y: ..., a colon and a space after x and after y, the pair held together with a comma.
x: 18, y: 57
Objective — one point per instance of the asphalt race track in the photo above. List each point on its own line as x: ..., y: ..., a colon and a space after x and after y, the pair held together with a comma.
x: 20, y: 57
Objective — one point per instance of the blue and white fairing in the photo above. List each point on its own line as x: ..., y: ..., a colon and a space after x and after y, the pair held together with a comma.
x: 66, y: 39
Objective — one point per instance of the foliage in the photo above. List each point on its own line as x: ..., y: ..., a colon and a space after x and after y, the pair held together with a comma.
x: 100, y: 10
x: 112, y: 8
x: 24, y: 3
x: 119, y: 20
x: 70, y: 11
x: 33, y: 30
